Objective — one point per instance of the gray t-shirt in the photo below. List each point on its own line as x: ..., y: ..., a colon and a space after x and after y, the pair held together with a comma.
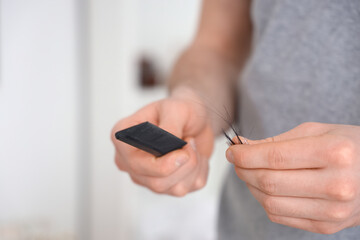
x: 305, y: 66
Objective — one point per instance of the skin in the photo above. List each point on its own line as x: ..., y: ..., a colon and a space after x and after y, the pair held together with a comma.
x: 307, y: 178
x: 207, y: 69
x: 178, y: 172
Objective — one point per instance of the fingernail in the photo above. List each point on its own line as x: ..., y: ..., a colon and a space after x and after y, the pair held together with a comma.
x: 229, y: 156
x: 181, y: 160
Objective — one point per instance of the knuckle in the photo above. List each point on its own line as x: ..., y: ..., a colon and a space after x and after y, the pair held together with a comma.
x: 343, y: 190
x: 119, y: 164
x: 309, y: 128
x: 310, y: 125
x: 267, y: 184
x: 200, y: 183
x: 165, y: 170
x: 324, y: 228
x: 271, y: 205
x: 270, y: 139
x: 238, y: 172
x: 192, y: 163
x: 343, y: 153
x: 157, y: 185
x: 275, y: 158
x: 274, y: 218
x: 179, y: 191
x: 267, y: 140
x: 133, y: 165
x: 339, y: 213
x: 135, y: 180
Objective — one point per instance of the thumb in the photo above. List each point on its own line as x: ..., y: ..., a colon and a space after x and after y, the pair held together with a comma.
x: 172, y: 118
x: 306, y: 129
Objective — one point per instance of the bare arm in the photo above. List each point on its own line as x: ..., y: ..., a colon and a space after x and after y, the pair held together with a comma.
x: 205, y: 71
x: 211, y: 64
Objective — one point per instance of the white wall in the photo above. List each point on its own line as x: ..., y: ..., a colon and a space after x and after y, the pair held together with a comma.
x: 121, y: 32
x: 56, y: 158
x: 38, y: 119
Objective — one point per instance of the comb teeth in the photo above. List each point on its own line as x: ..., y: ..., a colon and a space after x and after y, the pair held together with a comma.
x: 150, y: 138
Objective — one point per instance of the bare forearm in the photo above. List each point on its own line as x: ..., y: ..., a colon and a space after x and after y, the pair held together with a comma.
x: 211, y: 65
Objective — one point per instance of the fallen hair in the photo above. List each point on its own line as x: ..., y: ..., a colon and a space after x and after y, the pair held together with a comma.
x: 226, y: 119
x: 230, y: 141
x: 232, y: 128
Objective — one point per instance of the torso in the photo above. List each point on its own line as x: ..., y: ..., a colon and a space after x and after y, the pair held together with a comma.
x: 305, y: 66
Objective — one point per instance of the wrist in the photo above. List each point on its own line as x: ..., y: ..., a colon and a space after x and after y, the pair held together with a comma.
x: 184, y: 92
x: 199, y: 104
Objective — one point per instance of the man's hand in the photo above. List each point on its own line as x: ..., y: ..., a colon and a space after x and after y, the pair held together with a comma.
x: 179, y: 172
x: 307, y: 178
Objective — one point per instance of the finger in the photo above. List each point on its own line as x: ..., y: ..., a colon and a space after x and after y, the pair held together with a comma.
x: 243, y: 140
x: 173, y: 118
x: 291, y: 183
x: 119, y: 163
x: 201, y: 179
x: 143, y: 163
x: 163, y: 184
x: 308, y: 225
x: 303, y: 208
x: 181, y: 118
x: 196, y: 181
x: 292, y: 154
x: 306, y: 129
x: 148, y: 113
x: 186, y: 185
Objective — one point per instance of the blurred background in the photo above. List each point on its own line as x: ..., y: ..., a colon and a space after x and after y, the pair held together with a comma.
x: 69, y: 69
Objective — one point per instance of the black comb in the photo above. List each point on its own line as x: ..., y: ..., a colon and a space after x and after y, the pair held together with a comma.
x: 150, y: 138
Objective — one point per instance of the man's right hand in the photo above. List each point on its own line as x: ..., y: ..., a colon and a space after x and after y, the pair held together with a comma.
x: 179, y: 172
